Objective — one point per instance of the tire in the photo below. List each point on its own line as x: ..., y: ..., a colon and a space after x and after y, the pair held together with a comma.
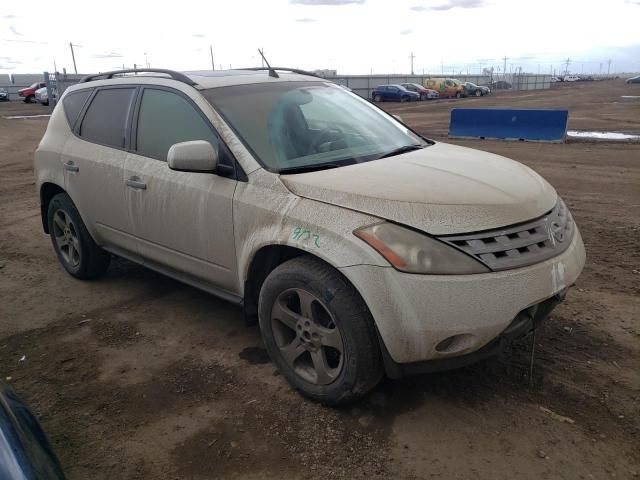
x: 377, y: 98
x: 478, y: 93
x: 335, y: 315
x: 74, y: 247
x: 403, y: 99
x: 458, y: 95
x: 423, y: 97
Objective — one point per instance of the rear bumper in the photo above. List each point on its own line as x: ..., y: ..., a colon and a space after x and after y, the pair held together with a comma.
x: 437, y: 317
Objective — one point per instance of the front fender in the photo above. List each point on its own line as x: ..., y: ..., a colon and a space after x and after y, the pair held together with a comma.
x: 265, y: 213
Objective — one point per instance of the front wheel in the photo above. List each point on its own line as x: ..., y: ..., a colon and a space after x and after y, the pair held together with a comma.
x: 319, y: 332
x: 74, y: 247
x: 458, y: 95
x: 478, y: 93
x: 377, y: 98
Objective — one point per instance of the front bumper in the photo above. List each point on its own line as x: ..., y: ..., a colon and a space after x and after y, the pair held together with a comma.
x: 434, y: 317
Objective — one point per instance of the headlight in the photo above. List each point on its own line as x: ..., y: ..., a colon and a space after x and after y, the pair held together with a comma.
x: 413, y: 252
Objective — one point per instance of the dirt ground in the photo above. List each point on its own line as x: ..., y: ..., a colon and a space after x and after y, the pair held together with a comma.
x: 137, y: 376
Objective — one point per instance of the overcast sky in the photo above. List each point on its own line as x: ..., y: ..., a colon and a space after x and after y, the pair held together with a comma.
x: 352, y: 36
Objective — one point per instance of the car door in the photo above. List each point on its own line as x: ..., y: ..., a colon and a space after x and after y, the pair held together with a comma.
x: 391, y: 93
x: 182, y: 220
x: 93, y: 161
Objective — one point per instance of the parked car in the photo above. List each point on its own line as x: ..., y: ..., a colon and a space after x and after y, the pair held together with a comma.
x: 633, y: 79
x: 471, y: 89
x: 425, y: 93
x: 446, y: 87
x: 4, y: 95
x: 24, y: 449
x: 42, y: 96
x: 555, y: 79
x: 500, y: 85
x: 394, y: 93
x: 359, y: 246
x: 571, y: 78
x: 29, y: 93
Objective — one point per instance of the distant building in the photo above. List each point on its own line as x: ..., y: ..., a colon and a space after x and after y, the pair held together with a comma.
x: 326, y: 73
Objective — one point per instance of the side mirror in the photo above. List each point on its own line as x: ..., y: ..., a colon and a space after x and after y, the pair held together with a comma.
x: 399, y: 118
x: 194, y: 156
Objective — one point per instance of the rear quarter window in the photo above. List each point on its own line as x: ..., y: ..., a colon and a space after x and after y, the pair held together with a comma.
x: 73, y: 103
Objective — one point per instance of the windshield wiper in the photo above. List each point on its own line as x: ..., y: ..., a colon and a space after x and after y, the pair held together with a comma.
x: 309, y: 168
x: 400, y: 150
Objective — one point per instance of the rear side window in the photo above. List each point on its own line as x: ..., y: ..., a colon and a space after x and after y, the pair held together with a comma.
x: 106, y: 119
x: 166, y: 118
x: 73, y: 103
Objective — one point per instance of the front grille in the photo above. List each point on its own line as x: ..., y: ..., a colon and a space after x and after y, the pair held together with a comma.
x: 522, y: 244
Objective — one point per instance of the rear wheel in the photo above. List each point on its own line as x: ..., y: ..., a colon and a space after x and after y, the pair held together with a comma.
x: 478, y: 93
x: 377, y: 98
x: 403, y: 99
x: 423, y: 96
x: 458, y: 95
x: 74, y: 247
x: 319, y: 332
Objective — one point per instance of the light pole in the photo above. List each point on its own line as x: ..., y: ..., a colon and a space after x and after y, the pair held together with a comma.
x: 73, y: 56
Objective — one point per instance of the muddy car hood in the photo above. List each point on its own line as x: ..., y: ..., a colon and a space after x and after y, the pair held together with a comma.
x: 441, y: 189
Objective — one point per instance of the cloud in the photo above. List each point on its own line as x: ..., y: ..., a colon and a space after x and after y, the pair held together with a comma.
x: 8, y: 16
x: 23, y: 41
x: 406, y: 31
x: 305, y: 20
x: 450, y: 4
x: 198, y: 35
x: 10, y: 60
x: 107, y: 55
x: 325, y: 2
x: 6, y: 67
x: 15, y: 31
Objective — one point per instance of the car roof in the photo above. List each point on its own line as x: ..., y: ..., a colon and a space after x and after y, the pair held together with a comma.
x: 201, y: 79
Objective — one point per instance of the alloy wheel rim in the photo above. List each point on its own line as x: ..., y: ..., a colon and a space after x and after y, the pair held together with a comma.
x: 66, y: 236
x: 307, y: 336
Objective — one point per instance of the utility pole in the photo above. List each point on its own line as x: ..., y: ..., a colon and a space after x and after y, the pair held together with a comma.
x: 146, y: 60
x: 73, y: 56
x: 504, y: 66
x: 566, y: 68
x: 213, y: 65
x: 412, y: 56
x: 442, y: 66
x: 262, y: 57
x: 608, y: 66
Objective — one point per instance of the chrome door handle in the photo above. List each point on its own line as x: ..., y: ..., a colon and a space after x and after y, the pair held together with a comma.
x: 71, y: 167
x: 134, y: 182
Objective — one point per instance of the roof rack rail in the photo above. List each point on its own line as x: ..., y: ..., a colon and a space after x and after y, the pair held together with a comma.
x: 284, y: 69
x: 180, y: 77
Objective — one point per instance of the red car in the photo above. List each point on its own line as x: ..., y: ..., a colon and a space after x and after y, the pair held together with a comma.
x: 425, y: 93
x: 29, y: 93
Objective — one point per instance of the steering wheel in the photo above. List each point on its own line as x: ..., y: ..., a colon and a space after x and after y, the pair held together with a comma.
x: 325, y: 136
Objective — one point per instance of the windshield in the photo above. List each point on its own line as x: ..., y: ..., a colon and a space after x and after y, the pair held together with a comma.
x: 292, y: 126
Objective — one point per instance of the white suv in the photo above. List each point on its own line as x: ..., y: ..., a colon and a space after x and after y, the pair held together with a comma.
x: 359, y: 246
